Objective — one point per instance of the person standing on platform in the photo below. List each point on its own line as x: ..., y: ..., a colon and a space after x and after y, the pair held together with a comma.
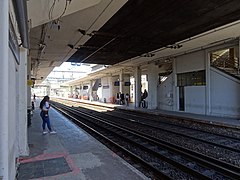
x: 122, y: 99
x: 34, y: 97
x: 127, y: 99
x: 45, y: 106
x: 118, y: 98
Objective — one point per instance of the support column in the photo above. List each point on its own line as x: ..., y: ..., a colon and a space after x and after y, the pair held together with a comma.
x: 208, y: 84
x: 152, y: 84
x: 29, y: 104
x: 22, y: 113
x: 4, y: 95
x: 137, y: 84
x: 81, y: 91
x: 121, y: 81
x: 71, y: 91
x: 111, y: 89
x: 75, y: 91
x: 175, y: 88
x: 90, y: 91
x: 239, y: 55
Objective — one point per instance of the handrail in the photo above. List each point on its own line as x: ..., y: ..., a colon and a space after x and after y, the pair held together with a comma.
x: 225, y: 63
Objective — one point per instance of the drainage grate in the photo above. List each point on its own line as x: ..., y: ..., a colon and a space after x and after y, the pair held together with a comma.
x: 49, y: 167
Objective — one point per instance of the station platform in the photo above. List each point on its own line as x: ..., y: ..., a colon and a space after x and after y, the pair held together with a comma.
x: 70, y: 154
x: 222, y: 121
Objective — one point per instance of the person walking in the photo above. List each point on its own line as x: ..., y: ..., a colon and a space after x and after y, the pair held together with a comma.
x: 45, y: 106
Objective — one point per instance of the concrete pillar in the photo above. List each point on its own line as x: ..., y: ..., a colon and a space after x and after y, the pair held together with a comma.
x: 71, y: 91
x: 152, y: 84
x: 126, y: 89
x: 90, y: 91
x: 74, y: 91
x: 121, y: 81
x: 208, y: 84
x: 22, y: 110
x: 48, y: 90
x: 111, y: 95
x: 137, y: 76
x: 238, y: 56
x: 81, y: 91
x: 4, y: 95
x: 175, y: 94
x: 29, y: 87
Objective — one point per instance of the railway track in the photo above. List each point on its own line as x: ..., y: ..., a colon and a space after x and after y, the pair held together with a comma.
x: 186, y: 122
x: 162, y: 158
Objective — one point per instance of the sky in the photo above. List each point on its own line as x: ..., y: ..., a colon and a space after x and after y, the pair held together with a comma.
x: 69, y: 71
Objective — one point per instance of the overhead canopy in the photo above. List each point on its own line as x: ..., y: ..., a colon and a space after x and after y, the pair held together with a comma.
x: 143, y: 26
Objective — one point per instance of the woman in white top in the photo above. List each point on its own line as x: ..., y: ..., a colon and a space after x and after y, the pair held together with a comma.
x: 45, y: 106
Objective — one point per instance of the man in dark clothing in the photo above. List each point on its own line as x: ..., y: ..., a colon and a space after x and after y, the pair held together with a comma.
x: 145, y: 94
x: 143, y: 97
x: 122, y: 98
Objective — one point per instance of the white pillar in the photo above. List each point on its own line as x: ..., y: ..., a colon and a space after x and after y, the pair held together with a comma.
x: 121, y: 81
x: 111, y: 95
x: 137, y: 84
x: 22, y: 110
x: 29, y: 78
x: 238, y: 55
x: 90, y: 91
x: 175, y: 88
x: 126, y: 89
x: 4, y: 95
x: 71, y: 91
x: 152, y: 84
x: 81, y: 90
x: 208, y: 84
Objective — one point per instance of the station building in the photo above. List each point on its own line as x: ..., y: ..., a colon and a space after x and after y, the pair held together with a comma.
x: 186, y: 52
x: 192, y: 80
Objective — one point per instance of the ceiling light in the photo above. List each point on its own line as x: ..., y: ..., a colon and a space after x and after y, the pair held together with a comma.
x: 71, y: 46
x: 174, y: 46
x: 83, y: 32
x: 148, y: 55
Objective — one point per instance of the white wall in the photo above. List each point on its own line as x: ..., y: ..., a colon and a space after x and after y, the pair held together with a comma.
x: 190, y: 62
x: 126, y: 89
x: 115, y: 89
x: 12, y: 128
x: 195, y: 99
x: 224, y: 94
x: 22, y: 105
x: 105, y: 91
x: 152, y: 83
x: 4, y: 95
x: 194, y: 96
x: 165, y: 94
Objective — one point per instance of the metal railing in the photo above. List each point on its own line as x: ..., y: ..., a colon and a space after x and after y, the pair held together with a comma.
x: 226, y: 64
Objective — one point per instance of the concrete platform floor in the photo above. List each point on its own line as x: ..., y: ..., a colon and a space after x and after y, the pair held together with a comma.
x: 71, y: 154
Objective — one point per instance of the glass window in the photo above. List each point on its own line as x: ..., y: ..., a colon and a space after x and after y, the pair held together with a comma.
x: 196, y: 78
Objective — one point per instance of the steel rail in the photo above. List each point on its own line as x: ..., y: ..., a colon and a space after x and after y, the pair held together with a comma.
x: 191, y: 154
x: 135, y: 158
x: 181, y: 134
x: 179, y: 125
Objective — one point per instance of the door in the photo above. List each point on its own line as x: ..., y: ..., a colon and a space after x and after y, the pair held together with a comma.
x: 181, y: 98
